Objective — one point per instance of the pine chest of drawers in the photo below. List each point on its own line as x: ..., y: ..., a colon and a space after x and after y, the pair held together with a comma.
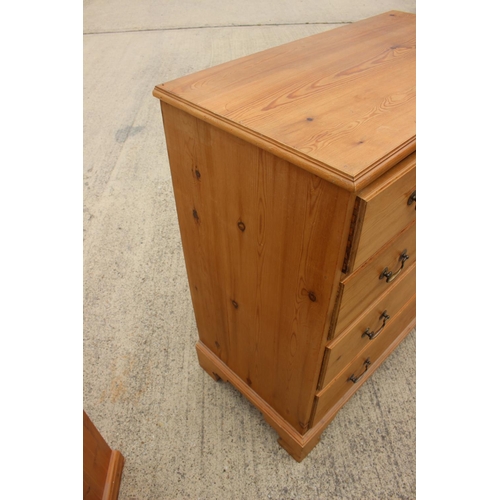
x: 294, y: 179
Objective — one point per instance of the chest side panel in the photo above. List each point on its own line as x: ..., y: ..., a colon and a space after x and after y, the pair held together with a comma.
x: 263, y: 242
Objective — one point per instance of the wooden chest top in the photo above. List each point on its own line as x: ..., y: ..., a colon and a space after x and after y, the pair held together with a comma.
x: 340, y: 104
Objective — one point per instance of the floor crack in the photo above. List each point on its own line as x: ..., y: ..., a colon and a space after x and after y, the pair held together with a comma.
x: 139, y: 30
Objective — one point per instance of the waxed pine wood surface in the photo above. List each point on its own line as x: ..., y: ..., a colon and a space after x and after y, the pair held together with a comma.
x: 360, y: 289
x: 384, y: 210
x: 340, y: 351
x: 263, y: 242
x: 264, y: 280
x: 331, y: 393
x: 343, y: 100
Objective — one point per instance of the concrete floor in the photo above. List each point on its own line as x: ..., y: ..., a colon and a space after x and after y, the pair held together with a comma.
x: 182, y: 434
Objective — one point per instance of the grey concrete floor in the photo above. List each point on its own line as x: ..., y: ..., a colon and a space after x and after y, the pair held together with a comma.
x: 182, y: 434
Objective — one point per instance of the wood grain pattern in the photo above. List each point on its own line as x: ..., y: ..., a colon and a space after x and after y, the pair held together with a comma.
x: 220, y: 371
x: 341, y: 104
x: 269, y: 155
x: 383, y: 211
x: 262, y: 266
x: 330, y: 395
x: 341, y: 351
x: 363, y: 287
x: 321, y: 423
x: 102, y: 466
x: 296, y: 444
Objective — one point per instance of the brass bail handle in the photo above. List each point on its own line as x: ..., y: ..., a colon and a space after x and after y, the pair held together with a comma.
x: 374, y: 335
x: 389, y: 275
x: 354, y: 379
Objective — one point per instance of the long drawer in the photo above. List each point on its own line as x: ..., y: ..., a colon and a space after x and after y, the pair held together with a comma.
x: 382, y: 210
x: 373, y: 322
x: 359, y: 370
x: 360, y: 289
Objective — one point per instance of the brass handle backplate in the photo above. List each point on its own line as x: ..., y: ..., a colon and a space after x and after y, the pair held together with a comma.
x: 374, y: 335
x: 389, y: 275
x: 354, y: 379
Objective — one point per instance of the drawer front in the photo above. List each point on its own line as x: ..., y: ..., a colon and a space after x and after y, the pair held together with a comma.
x: 383, y: 210
x: 360, y: 369
x: 372, y: 323
x: 360, y: 289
